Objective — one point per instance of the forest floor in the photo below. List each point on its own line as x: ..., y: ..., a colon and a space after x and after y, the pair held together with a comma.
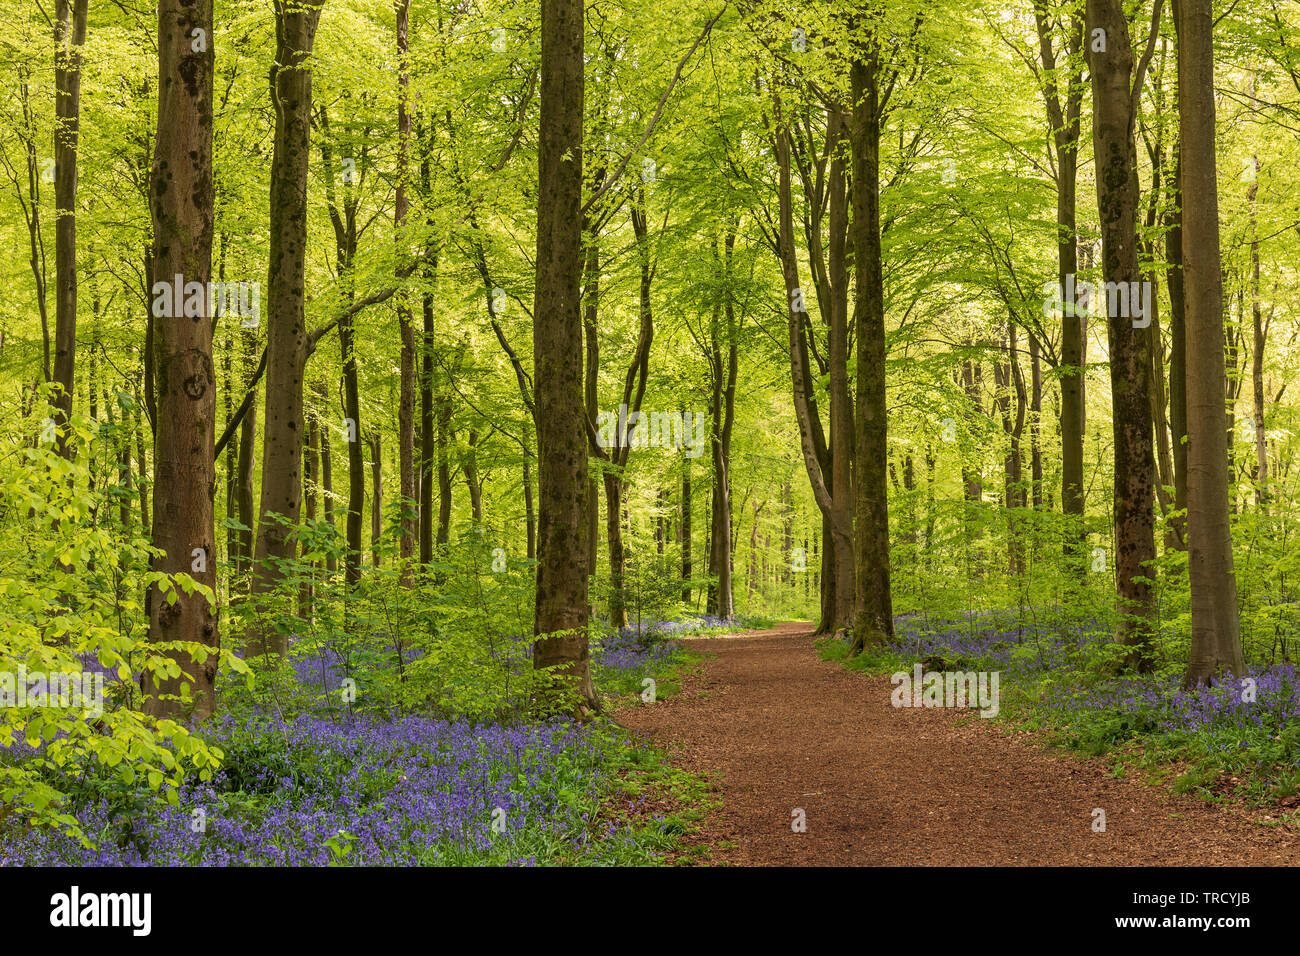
x: 779, y: 730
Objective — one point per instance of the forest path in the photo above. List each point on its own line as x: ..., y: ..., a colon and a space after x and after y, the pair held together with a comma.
x: 909, y: 786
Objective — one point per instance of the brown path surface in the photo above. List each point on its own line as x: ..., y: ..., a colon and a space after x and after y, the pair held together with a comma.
x: 905, y: 786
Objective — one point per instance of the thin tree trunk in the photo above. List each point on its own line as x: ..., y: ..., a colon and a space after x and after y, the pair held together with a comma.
x: 686, y: 531
x: 1259, y: 338
x: 376, y: 500
x: 1064, y: 112
x: 326, y: 474
x: 244, y: 501
x: 1177, y: 347
x: 428, y: 452
x: 470, y: 467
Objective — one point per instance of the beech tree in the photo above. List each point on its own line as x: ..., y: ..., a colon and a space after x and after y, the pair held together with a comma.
x: 1216, y: 638
x: 181, y: 206
x: 560, y: 622
x: 286, y: 336
x: 1117, y: 87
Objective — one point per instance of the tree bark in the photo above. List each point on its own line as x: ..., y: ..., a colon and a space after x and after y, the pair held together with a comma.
x: 406, y: 399
x: 181, y: 208
x: 719, y: 599
x: 244, y: 501
x: 1216, y: 634
x: 69, y: 37
x: 1064, y: 112
x: 875, y: 615
x: 842, y: 432
x: 1115, y: 95
x: 286, y: 332
x: 687, y: 533
x: 561, y: 612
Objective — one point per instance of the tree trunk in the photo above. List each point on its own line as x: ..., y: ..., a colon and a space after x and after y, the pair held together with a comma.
x: 1177, y: 347
x: 841, y: 534
x: 1216, y: 635
x: 428, y: 451
x: 286, y: 332
x: 1259, y: 337
x: 326, y: 473
x: 842, y: 437
x: 181, y: 209
x: 244, y: 501
x: 560, y: 619
x: 69, y: 36
x: 406, y: 400
x: 686, y: 531
x: 720, y: 600
x: 376, y: 499
x: 444, y: 472
x: 875, y: 615
x: 1130, y: 369
x: 1063, y: 113
x: 470, y: 467
x: 310, y: 483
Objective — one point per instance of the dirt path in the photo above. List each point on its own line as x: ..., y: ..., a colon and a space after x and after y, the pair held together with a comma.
x: 909, y: 786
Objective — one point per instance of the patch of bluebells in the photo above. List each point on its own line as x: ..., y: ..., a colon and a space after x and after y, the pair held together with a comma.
x: 311, y: 792
x: 1169, y: 707
x: 704, y: 623
x: 1159, y: 703
x: 997, y: 640
x: 627, y: 651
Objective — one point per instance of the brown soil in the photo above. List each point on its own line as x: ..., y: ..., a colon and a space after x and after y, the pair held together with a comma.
x: 879, y: 785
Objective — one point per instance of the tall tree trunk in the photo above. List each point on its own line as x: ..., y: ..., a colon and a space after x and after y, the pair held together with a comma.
x: 591, y: 379
x: 286, y: 331
x: 181, y: 208
x: 69, y: 36
x: 1063, y: 112
x: 1177, y: 346
x: 1259, y: 337
x: 376, y: 499
x: 244, y: 500
x: 1216, y: 634
x: 818, y: 460
x: 720, y: 600
x: 470, y: 467
x: 1115, y: 95
x: 614, y: 545
x: 428, y: 451
x: 406, y: 399
x: 875, y: 614
x: 686, y: 531
x: 560, y: 619
x: 310, y: 484
x: 444, y: 472
x: 530, y: 505
x: 1036, y: 418
x: 842, y: 433
x: 326, y: 473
